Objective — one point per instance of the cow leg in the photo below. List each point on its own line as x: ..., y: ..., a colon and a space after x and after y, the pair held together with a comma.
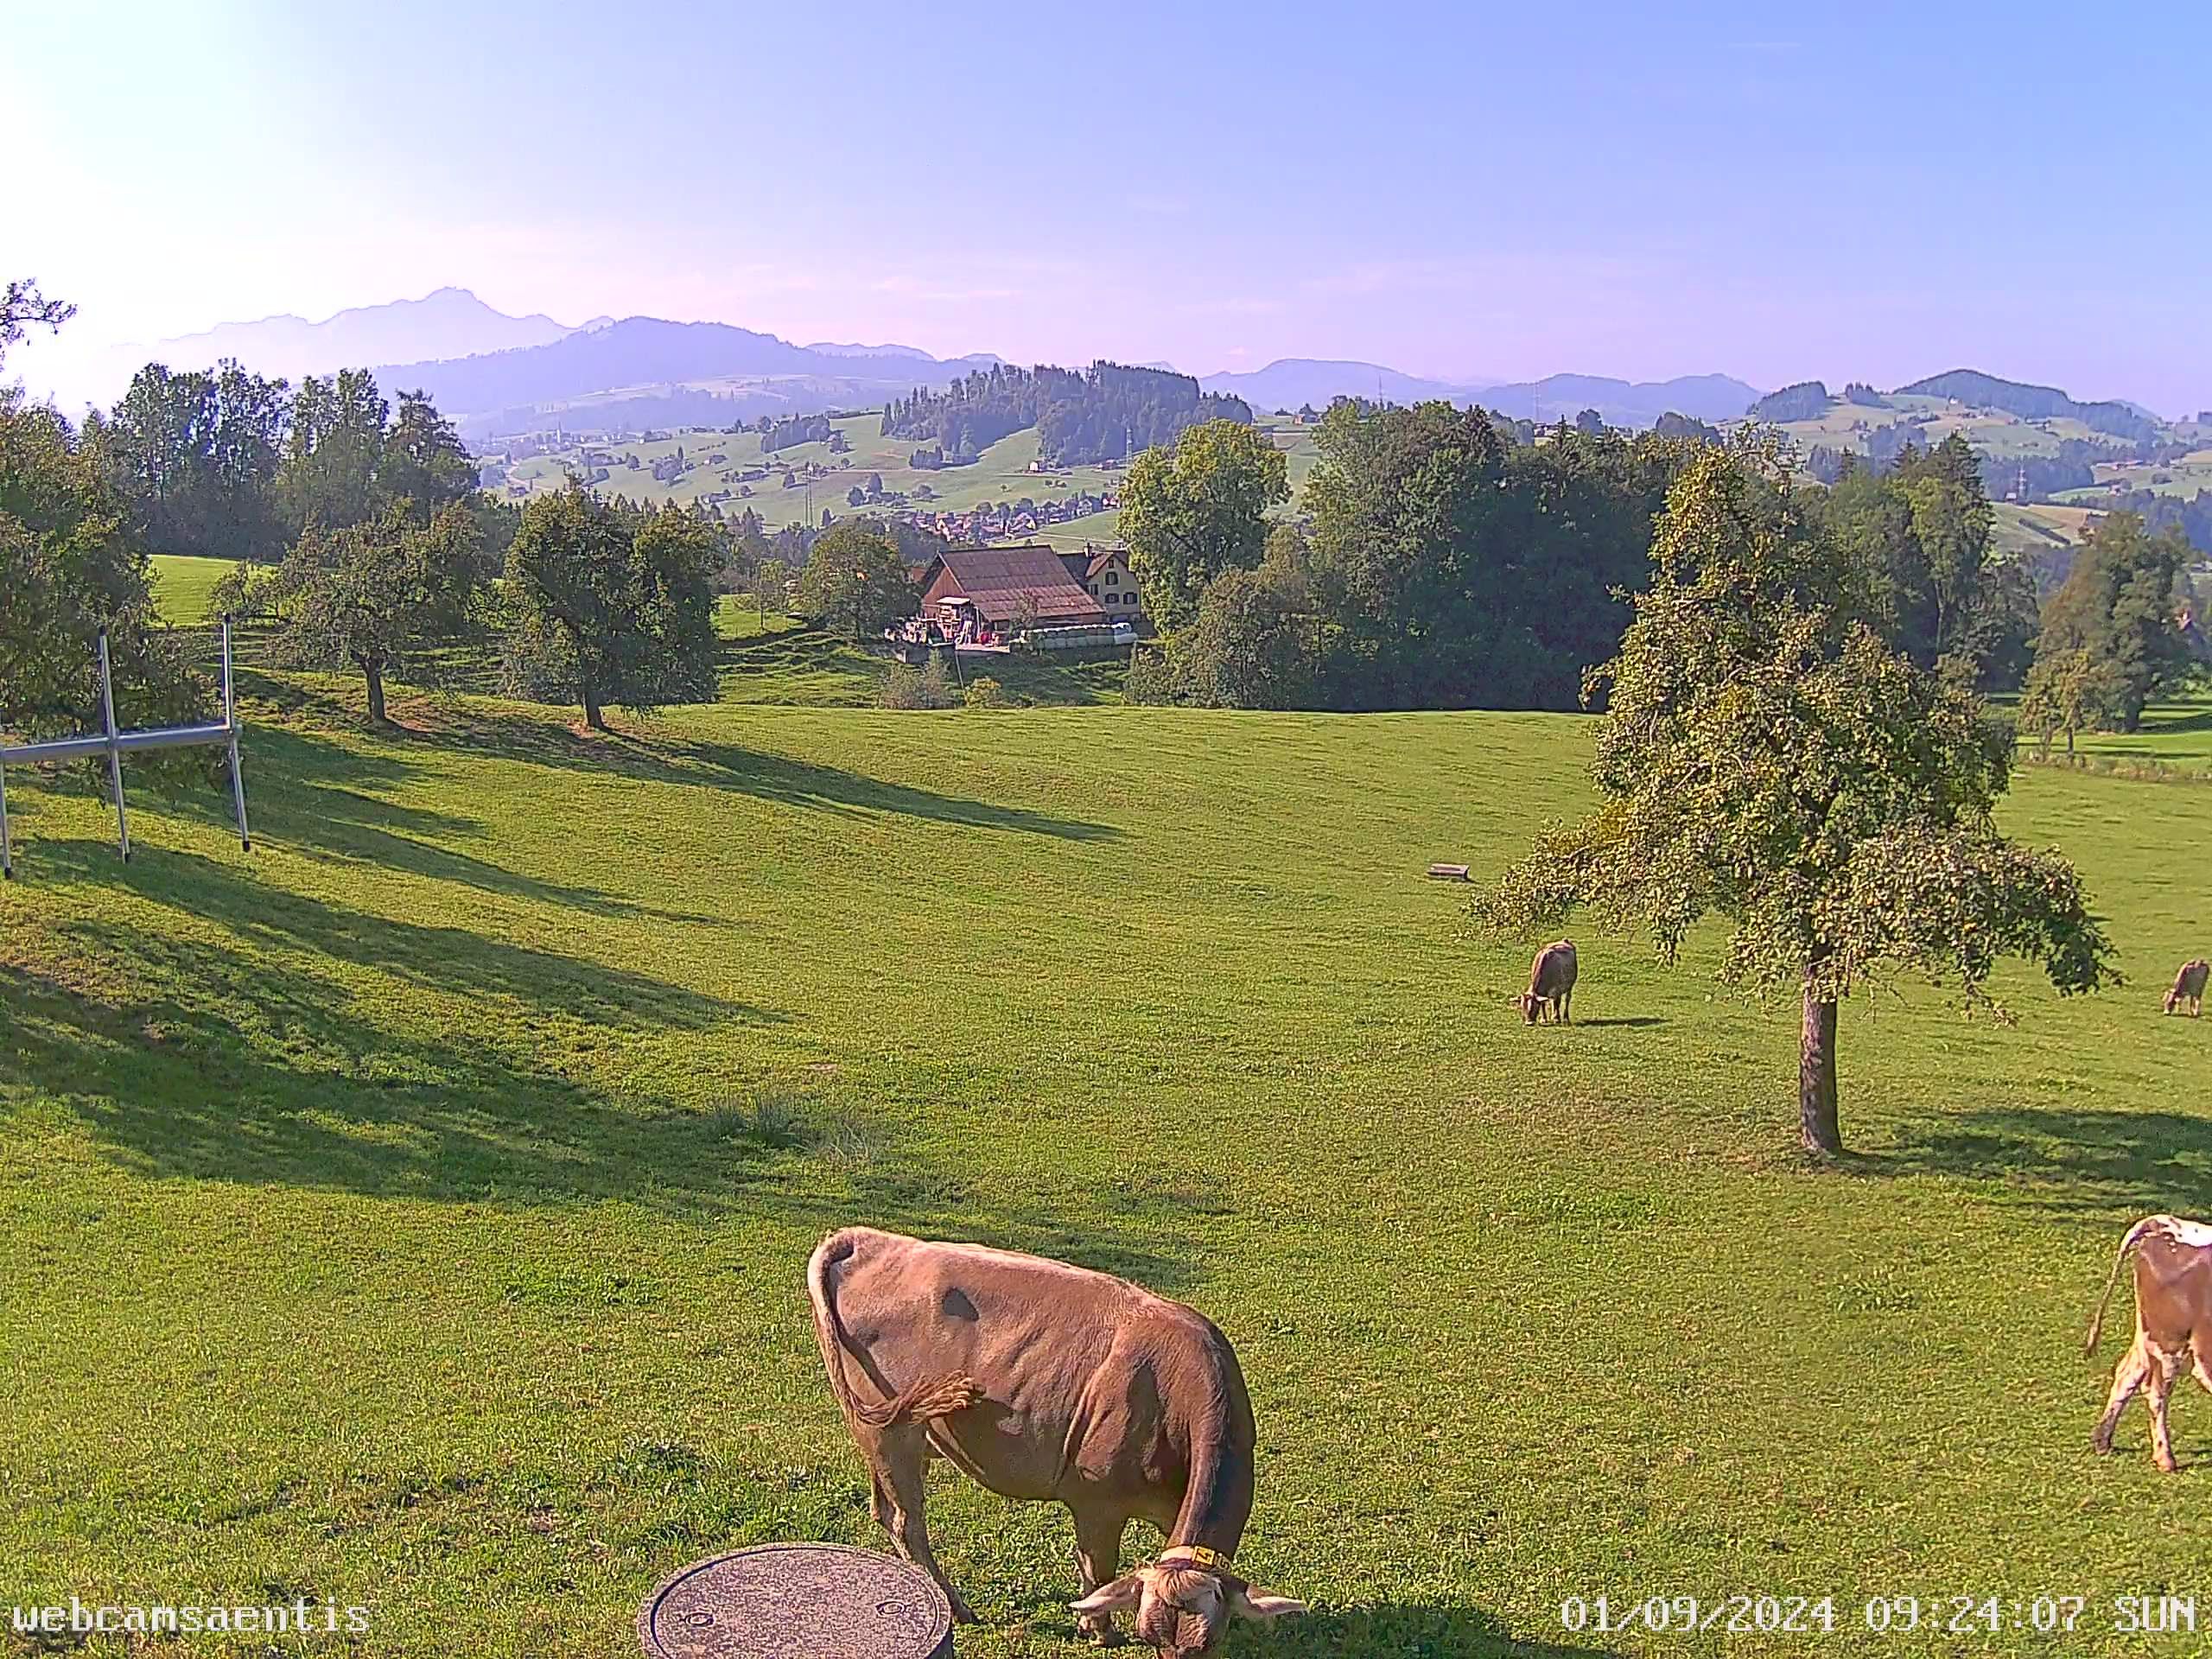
x: 1566, y: 1006
x: 2165, y: 1367
x: 2134, y: 1366
x: 1098, y: 1560
x: 902, y: 1458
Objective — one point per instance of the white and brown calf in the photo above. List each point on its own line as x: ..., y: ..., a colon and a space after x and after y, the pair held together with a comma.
x: 2173, y: 1322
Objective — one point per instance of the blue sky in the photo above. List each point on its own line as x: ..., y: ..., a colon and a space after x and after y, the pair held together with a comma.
x: 1470, y: 191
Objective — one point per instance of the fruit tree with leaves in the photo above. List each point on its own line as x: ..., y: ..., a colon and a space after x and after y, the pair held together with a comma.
x: 1765, y: 758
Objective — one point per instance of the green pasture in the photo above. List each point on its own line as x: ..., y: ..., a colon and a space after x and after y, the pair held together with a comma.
x: 2037, y: 529
x: 2176, y: 736
x: 182, y: 584
x: 1000, y: 473
x: 2184, y: 477
x: 410, y: 1213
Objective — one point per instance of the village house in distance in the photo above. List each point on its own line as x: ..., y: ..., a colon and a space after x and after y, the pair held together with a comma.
x: 1030, y: 586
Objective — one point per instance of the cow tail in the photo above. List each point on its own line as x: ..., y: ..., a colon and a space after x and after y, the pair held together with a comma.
x: 920, y: 1402
x: 930, y: 1397
x: 2128, y: 1245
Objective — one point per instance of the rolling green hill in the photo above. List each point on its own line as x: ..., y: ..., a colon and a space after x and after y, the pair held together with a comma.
x: 411, y: 1213
x: 823, y: 479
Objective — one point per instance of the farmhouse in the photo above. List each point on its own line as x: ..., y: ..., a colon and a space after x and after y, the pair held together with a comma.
x: 1104, y: 573
x: 1007, y: 587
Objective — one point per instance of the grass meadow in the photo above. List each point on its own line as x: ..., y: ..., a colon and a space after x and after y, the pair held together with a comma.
x: 411, y: 1213
x: 1001, y: 472
x: 182, y: 584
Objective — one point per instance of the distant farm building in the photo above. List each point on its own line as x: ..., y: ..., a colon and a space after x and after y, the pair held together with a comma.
x: 1104, y: 573
x: 1009, y: 587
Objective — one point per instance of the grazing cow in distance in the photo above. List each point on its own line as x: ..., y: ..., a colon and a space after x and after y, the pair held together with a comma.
x: 1042, y: 1380
x: 1551, y: 984
x: 2173, y: 1322
x: 2189, y: 987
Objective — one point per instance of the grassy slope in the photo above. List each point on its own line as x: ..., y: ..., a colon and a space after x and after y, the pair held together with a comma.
x: 181, y: 585
x: 1001, y: 474
x: 380, y: 1220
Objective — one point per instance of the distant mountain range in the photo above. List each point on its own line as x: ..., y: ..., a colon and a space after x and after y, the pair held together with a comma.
x: 450, y: 322
x: 494, y: 372
x: 1292, y: 382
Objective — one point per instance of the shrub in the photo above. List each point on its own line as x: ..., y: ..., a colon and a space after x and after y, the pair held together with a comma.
x: 1150, y: 679
x: 925, y: 687
x: 984, y: 692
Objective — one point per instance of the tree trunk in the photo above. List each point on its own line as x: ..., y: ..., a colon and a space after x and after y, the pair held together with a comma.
x: 375, y: 673
x: 1816, y: 1105
x: 593, y: 715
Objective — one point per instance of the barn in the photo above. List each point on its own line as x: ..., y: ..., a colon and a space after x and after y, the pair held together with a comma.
x: 1005, y: 587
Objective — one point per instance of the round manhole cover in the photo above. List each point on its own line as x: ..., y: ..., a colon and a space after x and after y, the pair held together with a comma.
x: 798, y: 1601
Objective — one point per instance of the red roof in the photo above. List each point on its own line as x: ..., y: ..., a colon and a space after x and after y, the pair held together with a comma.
x: 996, y: 580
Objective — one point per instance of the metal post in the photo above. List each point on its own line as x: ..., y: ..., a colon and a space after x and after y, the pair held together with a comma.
x: 230, y: 719
x: 114, y: 752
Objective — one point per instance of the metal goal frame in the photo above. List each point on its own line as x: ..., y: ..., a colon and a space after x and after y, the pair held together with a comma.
x: 116, y: 744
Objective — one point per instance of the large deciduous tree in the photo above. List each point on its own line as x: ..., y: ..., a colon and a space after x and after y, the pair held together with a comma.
x: 855, y: 584
x: 335, y: 451
x: 1767, y: 757
x: 615, y: 605
x: 68, y: 565
x: 198, y: 452
x: 1469, y: 571
x: 1250, y: 646
x: 423, y: 460
x: 2119, y: 607
x: 1192, y: 511
x: 1919, y: 536
x: 374, y: 596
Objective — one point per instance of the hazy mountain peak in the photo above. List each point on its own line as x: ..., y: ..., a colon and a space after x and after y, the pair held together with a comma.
x: 446, y: 322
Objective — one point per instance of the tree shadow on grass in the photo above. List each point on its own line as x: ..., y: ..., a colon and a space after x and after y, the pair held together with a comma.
x: 2076, y: 1161
x: 460, y: 961
x: 1627, y: 1022
x: 246, y: 1058
x: 766, y: 777
x: 311, y: 795
x: 2157, y: 723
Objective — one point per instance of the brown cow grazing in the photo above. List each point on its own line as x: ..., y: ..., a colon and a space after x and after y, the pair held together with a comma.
x: 2173, y: 1322
x: 2189, y: 987
x: 1043, y: 1380
x: 1551, y: 984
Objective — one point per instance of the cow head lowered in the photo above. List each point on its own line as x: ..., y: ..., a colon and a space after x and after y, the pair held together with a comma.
x: 1181, y: 1607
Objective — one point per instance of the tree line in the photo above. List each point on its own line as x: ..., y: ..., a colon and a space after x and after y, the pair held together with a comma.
x: 1438, y: 565
x: 1107, y: 413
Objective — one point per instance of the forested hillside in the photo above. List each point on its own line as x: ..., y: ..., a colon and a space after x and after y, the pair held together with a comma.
x: 1108, y: 414
x: 2030, y: 403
